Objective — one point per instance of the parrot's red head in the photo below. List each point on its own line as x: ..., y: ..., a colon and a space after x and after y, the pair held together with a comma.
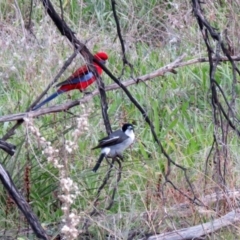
x: 101, y: 56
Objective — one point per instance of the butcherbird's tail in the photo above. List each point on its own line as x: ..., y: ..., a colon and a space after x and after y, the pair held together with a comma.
x: 99, y: 161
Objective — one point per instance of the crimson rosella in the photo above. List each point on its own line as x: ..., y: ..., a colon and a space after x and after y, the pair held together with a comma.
x: 80, y: 79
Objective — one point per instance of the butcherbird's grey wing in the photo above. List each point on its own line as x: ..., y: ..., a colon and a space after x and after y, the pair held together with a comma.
x: 113, y: 139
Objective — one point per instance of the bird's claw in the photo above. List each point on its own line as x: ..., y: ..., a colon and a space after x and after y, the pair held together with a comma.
x: 87, y: 93
x: 120, y: 157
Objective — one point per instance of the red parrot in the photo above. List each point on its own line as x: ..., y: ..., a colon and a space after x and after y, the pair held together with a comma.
x: 80, y: 79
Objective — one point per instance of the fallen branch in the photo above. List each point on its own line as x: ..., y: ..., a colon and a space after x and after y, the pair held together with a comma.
x: 199, y: 230
x: 178, y: 211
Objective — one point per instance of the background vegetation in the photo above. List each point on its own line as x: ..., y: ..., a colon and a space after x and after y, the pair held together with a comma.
x: 155, y: 33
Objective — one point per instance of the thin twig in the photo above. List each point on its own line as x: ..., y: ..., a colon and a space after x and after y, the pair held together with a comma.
x: 124, y: 58
x: 119, y: 175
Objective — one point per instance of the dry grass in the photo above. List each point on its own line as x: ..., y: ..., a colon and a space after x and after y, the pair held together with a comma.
x: 177, y: 104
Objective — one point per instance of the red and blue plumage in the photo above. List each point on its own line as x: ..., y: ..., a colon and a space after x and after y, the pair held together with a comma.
x: 80, y: 79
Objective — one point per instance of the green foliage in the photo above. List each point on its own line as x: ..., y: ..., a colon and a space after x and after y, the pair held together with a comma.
x: 178, y: 104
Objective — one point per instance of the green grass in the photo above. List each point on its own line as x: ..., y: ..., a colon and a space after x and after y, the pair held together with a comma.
x: 179, y: 106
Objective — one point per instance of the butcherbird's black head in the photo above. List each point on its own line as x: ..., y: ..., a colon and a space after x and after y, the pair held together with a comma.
x: 127, y: 126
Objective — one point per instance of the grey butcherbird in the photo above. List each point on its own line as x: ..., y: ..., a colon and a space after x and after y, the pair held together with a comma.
x: 114, y: 144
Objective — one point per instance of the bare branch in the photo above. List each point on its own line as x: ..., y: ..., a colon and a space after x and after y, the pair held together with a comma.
x: 7, y: 147
x: 64, y: 67
x: 66, y: 31
x: 86, y: 98
x: 124, y: 58
x: 119, y: 175
x: 200, y: 230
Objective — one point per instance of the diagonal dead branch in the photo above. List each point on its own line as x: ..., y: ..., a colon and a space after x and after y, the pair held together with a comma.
x: 22, y: 204
x: 7, y: 147
x: 62, y: 70
x: 64, y: 107
x: 66, y: 31
x: 149, y: 122
x: 78, y: 46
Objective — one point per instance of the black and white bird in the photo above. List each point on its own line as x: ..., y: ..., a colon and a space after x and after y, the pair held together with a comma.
x: 114, y: 144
